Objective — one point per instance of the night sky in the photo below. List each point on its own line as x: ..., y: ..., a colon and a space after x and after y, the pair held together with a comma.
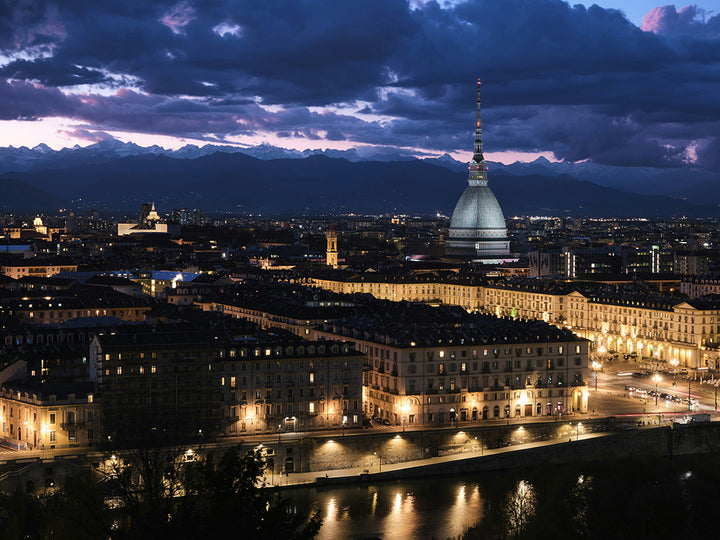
x: 639, y: 87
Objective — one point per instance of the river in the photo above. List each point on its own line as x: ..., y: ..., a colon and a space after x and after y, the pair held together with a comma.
x: 640, y: 498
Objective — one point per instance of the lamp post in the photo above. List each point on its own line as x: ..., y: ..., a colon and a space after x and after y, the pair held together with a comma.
x: 596, y: 366
x: 405, y: 411
x: 656, y: 379
x: 674, y: 363
x: 715, y: 383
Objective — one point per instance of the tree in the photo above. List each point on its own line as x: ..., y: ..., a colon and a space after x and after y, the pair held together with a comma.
x: 160, y: 494
x: 225, y: 497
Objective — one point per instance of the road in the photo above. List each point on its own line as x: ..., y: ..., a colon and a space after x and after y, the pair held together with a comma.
x: 627, y: 387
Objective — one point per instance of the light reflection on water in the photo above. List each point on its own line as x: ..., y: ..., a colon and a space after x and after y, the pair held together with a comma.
x: 394, y: 511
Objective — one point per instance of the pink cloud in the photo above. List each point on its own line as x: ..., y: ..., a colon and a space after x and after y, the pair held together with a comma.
x: 85, y: 135
x: 178, y: 17
x: 666, y: 20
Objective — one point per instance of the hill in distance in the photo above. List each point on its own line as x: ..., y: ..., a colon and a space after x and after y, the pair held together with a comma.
x: 319, y: 184
x: 20, y: 196
x: 692, y: 184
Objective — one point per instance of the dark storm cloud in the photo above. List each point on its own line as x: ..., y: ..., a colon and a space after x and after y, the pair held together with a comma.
x: 583, y: 83
x: 20, y: 100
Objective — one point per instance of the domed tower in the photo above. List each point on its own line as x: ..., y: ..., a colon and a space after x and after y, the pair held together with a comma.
x: 477, y: 227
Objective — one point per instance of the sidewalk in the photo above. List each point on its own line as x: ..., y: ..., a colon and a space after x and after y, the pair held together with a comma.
x: 383, y: 472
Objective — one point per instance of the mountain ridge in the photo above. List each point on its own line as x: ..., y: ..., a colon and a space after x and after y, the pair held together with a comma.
x: 238, y: 182
x: 693, y: 184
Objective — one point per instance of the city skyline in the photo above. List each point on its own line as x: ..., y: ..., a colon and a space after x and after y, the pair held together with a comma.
x: 574, y: 83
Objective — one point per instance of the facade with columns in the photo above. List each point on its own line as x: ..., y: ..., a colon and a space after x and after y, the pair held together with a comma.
x: 517, y: 370
x: 660, y: 328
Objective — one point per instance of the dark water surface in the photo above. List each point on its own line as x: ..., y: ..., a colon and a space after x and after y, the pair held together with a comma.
x: 659, y: 498
x: 395, y: 510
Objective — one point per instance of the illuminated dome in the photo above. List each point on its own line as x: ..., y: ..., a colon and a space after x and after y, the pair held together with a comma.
x: 477, y: 226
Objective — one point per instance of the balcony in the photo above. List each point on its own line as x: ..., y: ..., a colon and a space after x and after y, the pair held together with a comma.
x: 71, y: 425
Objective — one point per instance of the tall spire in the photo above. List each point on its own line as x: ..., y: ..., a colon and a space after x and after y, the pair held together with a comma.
x: 478, y: 168
x: 478, y: 130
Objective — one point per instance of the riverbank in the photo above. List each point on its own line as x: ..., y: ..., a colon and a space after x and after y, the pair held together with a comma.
x: 475, y: 460
x: 300, y: 459
x: 656, y: 441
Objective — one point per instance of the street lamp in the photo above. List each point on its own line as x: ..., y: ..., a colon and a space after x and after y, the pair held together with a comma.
x: 596, y: 366
x: 715, y: 383
x: 405, y: 411
x: 674, y: 363
x: 656, y: 378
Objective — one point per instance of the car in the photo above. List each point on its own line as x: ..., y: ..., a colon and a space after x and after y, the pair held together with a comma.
x: 629, y: 388
x: 677, y: 399
x: 385, y: 422
x: 665, y: 396
x: 683, y: 371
